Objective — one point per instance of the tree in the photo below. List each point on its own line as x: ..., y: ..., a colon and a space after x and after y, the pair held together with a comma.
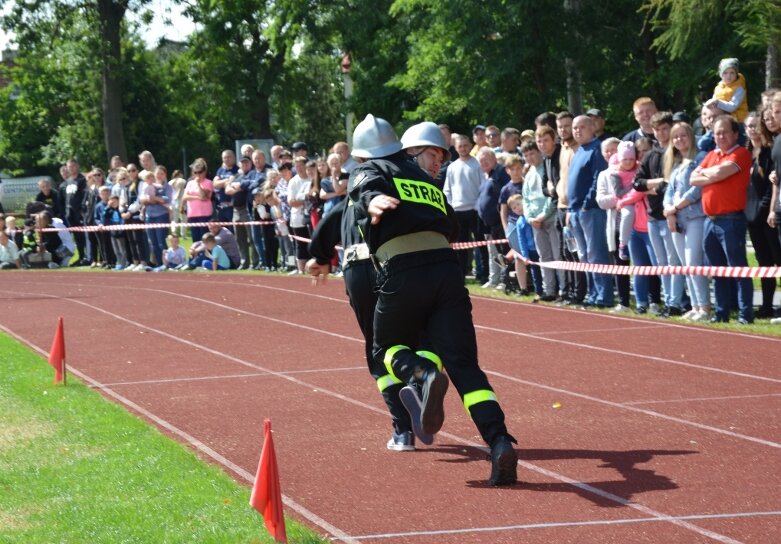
x: 38, y: 23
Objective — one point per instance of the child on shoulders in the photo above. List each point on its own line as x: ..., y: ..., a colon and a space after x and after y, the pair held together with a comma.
x: 730, y: 93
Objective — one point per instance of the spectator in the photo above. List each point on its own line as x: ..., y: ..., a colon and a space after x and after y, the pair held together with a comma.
x: 495, y: 177
x: 130, y: 208
x: 49, y: 197
x: 282, y: 215
x: 606, y: 199
x: 730, y: 93
x: 173, y: 256
x: 215, y: 257
x: 509, y: 218
x: 107, y: 258
x: 297, y: 190
x: 264, y: 199
x: 222, y: 177
x: 643, y: 109
x: 540, y: 214
x: 113, y: 218
x: 461, y: 189
x: 91, y: 199
x: 178, y: 205
x: 724, y: 177
x: 685, y: 218
x: 258, y: 176
x: 9, y: 252
x: 478, y: 135
x: 333, y: 185
x: 492, y: 136
x: 348, y: 164
x: 147, y: 162
x: 527, y: 251
x: 198, y: 197
x: 72, y: 198
x: 239, y: 186
x: 59, y: 243
x: 587, y: 220
x: 157, y: 206
x: 764, y: 238
x: 276, y: 151
x: 599, y: 123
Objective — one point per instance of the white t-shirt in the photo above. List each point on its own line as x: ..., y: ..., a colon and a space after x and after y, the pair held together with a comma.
x: 297, y: 189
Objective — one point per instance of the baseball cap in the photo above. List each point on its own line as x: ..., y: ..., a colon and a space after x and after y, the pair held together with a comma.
x: 595, y: 112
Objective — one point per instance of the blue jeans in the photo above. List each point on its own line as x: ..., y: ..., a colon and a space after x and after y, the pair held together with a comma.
x: 688, y: 244
x: 257, y: 241
x: 589, y: 228
x: 641, y: 252
x: 157, y: 237
x: 664, y: 248
x: 725, y: 245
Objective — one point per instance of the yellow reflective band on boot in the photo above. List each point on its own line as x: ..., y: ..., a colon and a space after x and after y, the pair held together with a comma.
x: 431, y: 356
x: 386, y: 381
x: 388, y: 359
x: 476, y: 397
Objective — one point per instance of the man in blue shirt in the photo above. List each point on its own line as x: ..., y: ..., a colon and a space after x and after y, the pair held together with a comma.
x: 586, y: 219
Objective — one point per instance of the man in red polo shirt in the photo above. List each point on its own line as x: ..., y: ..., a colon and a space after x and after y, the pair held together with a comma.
x: 724, y: 178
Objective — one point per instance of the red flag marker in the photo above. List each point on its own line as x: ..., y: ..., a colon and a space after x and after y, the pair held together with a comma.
x: 57, y: 354
x: 266, y: 495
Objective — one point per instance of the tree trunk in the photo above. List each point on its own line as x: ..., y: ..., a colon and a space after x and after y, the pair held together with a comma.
x: 772, y: 75
x: 111, y: 14
x: 574, y: 83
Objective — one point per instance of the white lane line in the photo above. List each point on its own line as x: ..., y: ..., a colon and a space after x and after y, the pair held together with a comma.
x: 540, y: 470
x: 700, y: 399
x: 600, y: 330
x: 689, y: 328
x: 553, y: 525
x: 197, y: 444
x: 637, y: 410
x: 629, y: 354
x: 231, y: 376
x: 536, y: 336
x: 495, y: 373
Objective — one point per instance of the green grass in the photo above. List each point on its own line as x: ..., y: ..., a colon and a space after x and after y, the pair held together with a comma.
x: 76, y: 468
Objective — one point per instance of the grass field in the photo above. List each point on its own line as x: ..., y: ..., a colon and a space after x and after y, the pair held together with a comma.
x: 76, y: 468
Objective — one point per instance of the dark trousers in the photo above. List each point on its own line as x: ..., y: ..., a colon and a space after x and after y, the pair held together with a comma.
x: 360, y: 279
x: 467, y: 229
x: 423, y: 294
x: 575, y: 283
x: 768, y: 252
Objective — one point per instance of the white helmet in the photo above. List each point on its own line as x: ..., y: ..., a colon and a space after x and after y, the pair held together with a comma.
x: 374, y: 138
x: 425, y: 134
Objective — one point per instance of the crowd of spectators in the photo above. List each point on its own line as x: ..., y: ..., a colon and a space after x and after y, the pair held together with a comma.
x: 669, y: 192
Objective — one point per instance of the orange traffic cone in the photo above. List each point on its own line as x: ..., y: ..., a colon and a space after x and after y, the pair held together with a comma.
x: 266, y: 495
x: 57, y: 354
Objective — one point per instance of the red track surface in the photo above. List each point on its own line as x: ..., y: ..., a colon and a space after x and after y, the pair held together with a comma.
x: 664, y: 433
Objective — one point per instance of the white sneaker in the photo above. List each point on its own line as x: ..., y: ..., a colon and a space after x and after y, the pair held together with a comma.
x: 488, y: 285
x: 700, y: 316
x: 619, y: 309
x: 690, y: 314
x: 775, y: 321
x: 654, y: 308
x: 500, y: 287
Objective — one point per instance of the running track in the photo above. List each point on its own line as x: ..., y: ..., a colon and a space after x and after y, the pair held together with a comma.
x: 630, y: 430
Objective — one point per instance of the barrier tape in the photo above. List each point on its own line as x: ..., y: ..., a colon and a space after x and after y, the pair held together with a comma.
x: 714, y: 271
x: 145, y: 226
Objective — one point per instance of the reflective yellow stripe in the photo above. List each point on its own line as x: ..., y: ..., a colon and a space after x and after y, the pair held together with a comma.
x: 388, y: 360
x: 420, y: 192
x: 386, y: 381
x: 476, y: 397
x: 431, y: 356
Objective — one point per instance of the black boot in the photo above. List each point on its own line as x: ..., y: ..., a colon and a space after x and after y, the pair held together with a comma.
x: 504, y: 461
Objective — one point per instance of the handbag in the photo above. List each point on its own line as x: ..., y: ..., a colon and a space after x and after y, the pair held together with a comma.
x: 753, y: 202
